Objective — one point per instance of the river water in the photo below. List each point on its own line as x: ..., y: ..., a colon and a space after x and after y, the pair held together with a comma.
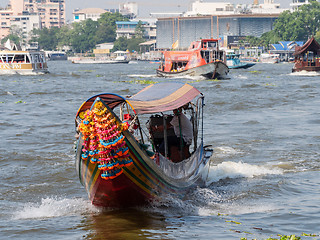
x: 263, y: 124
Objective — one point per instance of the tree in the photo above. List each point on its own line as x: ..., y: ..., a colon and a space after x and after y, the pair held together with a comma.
x: 300, y: 24
x: 120, y: 44
x: 139, y: 31
x: 133, y: 44
x: 83, y: 35
x: 107, y: 27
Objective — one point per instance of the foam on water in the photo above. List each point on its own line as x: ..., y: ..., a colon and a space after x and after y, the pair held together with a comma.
x: 52, y: 207
x: 225, y: 151
x: 238, y: 169
x: 305, y: 73
x: 143, y: 75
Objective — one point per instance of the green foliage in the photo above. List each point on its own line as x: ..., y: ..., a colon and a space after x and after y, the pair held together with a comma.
x: 106, y: 31
x: 120, y: 44
x: 139, y: 31
x: 46, y: 38
x: 81, y: 36
x: 12, y: 37
x: 124, y: 44
x: 300, y: 24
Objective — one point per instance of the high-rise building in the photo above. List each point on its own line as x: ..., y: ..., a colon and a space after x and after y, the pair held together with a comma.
x: 52, y: 12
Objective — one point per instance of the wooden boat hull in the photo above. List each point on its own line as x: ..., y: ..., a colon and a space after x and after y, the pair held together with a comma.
x: 210, y: 71
x: 140, y: 183
x: 306, y: 68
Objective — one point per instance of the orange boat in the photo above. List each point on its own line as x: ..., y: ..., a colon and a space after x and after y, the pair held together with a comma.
x: 203, y: 58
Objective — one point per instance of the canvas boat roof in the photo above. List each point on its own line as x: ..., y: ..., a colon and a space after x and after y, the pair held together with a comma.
x: 162, y: 97
x: 159, y: 97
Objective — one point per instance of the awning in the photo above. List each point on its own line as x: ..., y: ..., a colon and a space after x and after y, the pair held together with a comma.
x: 148, y: 43
x: 162, y: 97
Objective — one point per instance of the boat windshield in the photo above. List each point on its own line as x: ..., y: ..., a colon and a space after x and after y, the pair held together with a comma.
x: 211, y: 44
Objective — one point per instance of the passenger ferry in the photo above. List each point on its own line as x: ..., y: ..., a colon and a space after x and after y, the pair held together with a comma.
x: 23, y: 62
x: 203, y: 58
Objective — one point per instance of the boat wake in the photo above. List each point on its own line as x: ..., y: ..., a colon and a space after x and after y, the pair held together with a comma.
x: 52, y: 207
x: 305, y: 73
x: 231, y: 170
x: 142, y: 75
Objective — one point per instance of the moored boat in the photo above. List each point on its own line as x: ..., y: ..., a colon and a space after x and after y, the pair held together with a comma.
x: 117, y: 57
x: 269, y: 58
x: 23, y: 62
x: 113, y: 160
x: 203, y: 58
x: 233, y: 62
x: 56, y: 56
x: 307, y: 57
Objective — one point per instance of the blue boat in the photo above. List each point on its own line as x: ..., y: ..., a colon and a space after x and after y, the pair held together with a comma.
x: 233, y: 62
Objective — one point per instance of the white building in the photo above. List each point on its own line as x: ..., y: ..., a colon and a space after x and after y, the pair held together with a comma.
x: 22, y: 25
x: 129, y: 9
x: 87, y: 13
x: 210, y: 8
x: 268, y: 7
x: 199, y: 7
x: 297, y: 3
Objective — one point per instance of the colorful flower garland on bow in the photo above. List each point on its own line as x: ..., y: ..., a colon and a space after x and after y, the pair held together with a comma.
x: 104, y: 142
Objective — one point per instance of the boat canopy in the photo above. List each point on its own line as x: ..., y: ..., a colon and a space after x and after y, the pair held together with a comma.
x: 311, y: 45
x: 162, y: 97
x: 155, y: 98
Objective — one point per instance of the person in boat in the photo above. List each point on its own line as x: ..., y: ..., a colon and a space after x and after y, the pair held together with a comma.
x: 179, y: 144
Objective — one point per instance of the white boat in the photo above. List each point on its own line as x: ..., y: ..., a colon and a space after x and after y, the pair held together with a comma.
x: 269, y: 58
x: 54, y: 55
x: 23, y: 62
x: 119, y: 57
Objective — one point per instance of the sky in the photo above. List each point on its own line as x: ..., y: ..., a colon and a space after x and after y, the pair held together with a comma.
x: 146, y: 6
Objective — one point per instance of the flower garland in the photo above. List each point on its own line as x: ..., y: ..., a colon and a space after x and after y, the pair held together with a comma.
x: 104, y: 142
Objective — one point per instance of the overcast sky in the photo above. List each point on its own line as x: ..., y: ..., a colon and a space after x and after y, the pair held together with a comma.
x: 146, y: 6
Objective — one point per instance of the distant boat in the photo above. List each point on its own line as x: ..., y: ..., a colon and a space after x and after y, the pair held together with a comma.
x: 233, y: 62
x: 307, y: 57
x: 23, y: 62
x: 269, y: 58
x: 203, y: 58
x: 120, y: 57
x: 54, y: 56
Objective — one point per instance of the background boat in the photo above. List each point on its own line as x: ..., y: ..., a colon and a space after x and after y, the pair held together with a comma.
x: 269, y: 58
x: 203, y: 58
x: 23, y: 62
x: 233, y: 62
x: 307, y: 57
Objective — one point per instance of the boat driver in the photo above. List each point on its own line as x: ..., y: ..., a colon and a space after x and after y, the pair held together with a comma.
x: 180, y: 143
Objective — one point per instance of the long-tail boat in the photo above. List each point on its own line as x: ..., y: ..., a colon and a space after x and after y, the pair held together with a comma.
x: 307, y: 57
x: 203, y: 58
x: 118, y: 166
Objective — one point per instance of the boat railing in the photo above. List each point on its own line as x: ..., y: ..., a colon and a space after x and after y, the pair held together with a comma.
x: 314, y: 62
